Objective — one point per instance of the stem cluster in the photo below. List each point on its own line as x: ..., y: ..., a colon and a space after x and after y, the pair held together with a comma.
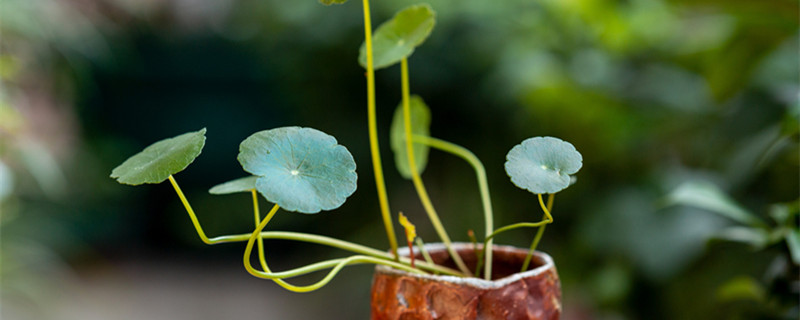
x: 367, y: 255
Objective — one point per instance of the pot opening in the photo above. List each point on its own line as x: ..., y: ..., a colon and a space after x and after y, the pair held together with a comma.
x: 505, y: 261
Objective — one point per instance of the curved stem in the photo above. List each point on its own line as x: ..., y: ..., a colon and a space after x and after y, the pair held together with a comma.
x: 516, y: 226
x: 303, y: 237
x: 420, y: 187
x: 540, y: 232
x: 504, y: 229
x: 377, y: 167
x: 483, y: 186
x: 337, y: 264
x: 548, y: 219
x: 190, y: 211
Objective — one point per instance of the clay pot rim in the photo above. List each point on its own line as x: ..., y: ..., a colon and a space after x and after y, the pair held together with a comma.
x: 478, y: 283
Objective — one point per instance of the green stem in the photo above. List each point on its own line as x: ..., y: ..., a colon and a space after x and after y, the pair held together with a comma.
x: 428, y: 259
x: 261, y: 257
x: 483, y: 185
x: 337, y: 264
x: 302, y: 237
x: 548, y: 219
x: 415, y: 177
x: 540, y: 232
x: 532, y: 249
x: 504, y: 229
x: 192, y: 216
x: 377, y: 167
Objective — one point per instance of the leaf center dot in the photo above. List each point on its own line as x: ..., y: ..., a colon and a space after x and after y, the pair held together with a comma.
x: 294, y: 172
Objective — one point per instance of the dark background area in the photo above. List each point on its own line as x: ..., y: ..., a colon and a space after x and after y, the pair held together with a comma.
x: 655, y: 94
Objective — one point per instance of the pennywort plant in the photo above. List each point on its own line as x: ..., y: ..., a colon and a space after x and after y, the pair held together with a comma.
x: 305, y: 170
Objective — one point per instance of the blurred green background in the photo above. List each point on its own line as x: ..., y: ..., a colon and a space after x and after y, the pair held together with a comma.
x: 686, y: 113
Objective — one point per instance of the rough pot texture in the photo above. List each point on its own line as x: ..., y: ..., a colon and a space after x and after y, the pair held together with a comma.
x: 533, y: 294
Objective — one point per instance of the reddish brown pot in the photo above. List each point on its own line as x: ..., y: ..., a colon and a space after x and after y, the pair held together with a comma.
x: 533, y: 294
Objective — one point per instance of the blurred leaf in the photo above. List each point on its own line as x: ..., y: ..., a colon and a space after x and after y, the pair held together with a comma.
x: 9, y: 67
x: 761, y: 27
x: 11, y: 120
x: 299, y: 169
x: 6, y: 181
x: 330, y: 2
x: 707, y: 196
x: 44, y: 167
x: 753, y: 153
x: 741, y: 288
x: 420, y: 125
x: 793, y: 241
x: 543, y: 164
x: 397, y: 38
x: 755, y: 237
x: 161, y: 159
x: 782, y: 213
x: 239, y: 185
x: 790, y: 124
x: 659, y: 243
x: 612, y: 283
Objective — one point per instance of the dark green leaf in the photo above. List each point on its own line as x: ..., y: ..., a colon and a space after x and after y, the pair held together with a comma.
x: 543, y: 164
x: 299, y: 169
x: 161, y: 159
x: 420, y: 125
x: 239, y: 185
x: 397, y: 38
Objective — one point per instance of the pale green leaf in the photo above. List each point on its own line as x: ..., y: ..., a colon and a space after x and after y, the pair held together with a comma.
x: 299, y: 169
x: 397, y: 38
x: 756, y: 237
x: 239, y: 185
x: 420, y: 125
x: 705, y: 195
x: 161, y: 159
x: 543, y: 164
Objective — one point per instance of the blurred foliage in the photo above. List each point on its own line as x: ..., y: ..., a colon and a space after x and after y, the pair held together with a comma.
x: 656, y: 94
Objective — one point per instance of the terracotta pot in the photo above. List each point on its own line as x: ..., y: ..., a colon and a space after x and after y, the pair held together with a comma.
x: 533, y: 294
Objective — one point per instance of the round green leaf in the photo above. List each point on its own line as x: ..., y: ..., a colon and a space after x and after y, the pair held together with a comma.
x: 161, y: 159
x: 239, y: 185
x: 420, y: 125
x: 397, y: 38
x: 543, y: 164
x: 299, y: 169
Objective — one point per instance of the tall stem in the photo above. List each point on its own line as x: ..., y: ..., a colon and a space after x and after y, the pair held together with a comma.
x: 483, y: 186
x: 261, y: 257
x: 540, y: 232
x: 377, y: 167
x: 420, y: 187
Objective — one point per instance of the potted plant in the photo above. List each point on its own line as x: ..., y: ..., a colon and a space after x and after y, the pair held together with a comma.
x: 305, y: 170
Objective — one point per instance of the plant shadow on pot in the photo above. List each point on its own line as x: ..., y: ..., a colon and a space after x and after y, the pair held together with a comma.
x: 533, y: 294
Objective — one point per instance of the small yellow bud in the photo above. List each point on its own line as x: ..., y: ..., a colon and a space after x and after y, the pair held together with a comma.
x: 411, y: 230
